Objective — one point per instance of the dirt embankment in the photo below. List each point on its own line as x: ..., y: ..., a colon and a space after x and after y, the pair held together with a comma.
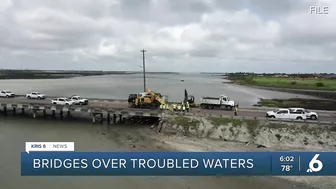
x: 260, y: 133
x: 224, y: 134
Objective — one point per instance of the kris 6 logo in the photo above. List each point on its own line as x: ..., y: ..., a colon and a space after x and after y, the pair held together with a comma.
x: 315, y: 165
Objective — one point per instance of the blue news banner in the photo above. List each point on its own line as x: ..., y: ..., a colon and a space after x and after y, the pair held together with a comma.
x: 177, y: 163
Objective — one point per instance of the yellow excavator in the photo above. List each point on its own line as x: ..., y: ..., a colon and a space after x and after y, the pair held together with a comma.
x: 148, y: 100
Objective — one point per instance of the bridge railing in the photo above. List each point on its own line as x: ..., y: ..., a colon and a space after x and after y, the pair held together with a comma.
x: 131, y: 111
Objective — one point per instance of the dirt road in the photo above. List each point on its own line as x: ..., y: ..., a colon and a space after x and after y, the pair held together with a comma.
x: 122, y: 104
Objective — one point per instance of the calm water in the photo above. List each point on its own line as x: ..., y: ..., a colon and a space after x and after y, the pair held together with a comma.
x: 120, y: 86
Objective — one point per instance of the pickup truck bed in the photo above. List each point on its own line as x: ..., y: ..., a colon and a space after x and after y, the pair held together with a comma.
x: 210, y: 98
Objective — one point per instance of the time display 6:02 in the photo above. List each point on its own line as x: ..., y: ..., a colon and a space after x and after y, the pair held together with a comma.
x: 287, y: 158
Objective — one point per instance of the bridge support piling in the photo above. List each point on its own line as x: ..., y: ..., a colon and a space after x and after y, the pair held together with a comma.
x: 101, y: 118
x: 14, y: 111
x: 93, y: 118
x: 45, y: 114
x: 61, y: 115
x: 120, y: 118
x: 108, y: 119
x: 34, y: 114
x: 5, y: 110
x: 53, y: 114
x: 69, y: 115
x: 114, y: 118
x: 22, y: 111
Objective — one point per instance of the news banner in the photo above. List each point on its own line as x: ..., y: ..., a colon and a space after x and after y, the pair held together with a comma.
x: 60, y: 159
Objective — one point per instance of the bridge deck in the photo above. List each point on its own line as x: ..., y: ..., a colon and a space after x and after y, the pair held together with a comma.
x: 86, y: 109
x: 120, y: 112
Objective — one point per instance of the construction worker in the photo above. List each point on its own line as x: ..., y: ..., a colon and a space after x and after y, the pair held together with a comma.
x: 236, y: 110
x: 161, y: 106
x: 174, y: 107
x: 179, y: 107
x: 187, y: 106
x: 183, y: 108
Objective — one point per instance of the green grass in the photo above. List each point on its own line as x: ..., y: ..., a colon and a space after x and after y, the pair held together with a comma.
x: 185, y: 122
x: 252, y: 125
x: 315, y: 104
x: 217, y: 121
x: 294, y: 83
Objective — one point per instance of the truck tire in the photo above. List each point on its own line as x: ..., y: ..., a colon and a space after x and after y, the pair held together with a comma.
x: 230, y: 107
x: 211, y: 106
x: 313, y: 117
x: 203, y: 106
x: 28, y: 97
x: 299, y: 118
x: 54, y: 103
x: 272, y: 117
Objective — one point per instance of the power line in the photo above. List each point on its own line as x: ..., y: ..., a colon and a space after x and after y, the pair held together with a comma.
x: 144, y: 68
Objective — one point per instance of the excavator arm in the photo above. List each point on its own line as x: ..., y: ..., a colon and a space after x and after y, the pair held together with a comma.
x: 158, y: 98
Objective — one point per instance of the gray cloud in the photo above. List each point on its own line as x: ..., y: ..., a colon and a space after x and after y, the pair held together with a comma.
x: 189, y: 35
x: 280, y: 8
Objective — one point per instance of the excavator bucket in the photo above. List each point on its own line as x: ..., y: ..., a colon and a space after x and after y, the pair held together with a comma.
x: 189, y: 98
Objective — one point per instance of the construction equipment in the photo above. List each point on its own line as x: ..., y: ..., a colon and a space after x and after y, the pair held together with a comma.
x: 150, y: 99
x: 131, y: 99
x: 217, y: 102
x: 189, y: 98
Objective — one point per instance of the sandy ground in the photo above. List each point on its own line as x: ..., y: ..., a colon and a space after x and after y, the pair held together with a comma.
x: 183, y: 143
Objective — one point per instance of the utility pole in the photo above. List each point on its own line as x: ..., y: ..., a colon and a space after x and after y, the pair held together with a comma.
x: 144, y: 68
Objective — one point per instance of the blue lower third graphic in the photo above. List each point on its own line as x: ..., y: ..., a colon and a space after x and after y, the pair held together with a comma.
x: 177, y: 163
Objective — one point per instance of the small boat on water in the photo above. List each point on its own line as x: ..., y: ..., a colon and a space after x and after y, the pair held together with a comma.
x: 182, y: 80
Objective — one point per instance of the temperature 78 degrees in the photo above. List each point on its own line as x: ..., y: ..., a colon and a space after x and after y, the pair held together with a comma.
x: 286, y: 168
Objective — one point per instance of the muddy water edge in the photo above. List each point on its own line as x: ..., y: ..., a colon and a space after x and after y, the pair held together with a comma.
x: 15, y: 132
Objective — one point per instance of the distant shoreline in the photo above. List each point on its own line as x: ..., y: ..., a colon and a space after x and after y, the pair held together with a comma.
x: 46, y: 74
x: 309, y: 86
x: 312, y: 104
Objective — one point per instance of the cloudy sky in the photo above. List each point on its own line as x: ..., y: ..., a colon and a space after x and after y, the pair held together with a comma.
x: 179, y: 35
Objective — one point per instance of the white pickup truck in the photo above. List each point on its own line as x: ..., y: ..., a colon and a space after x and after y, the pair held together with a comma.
x: 62, y: 101
x: 286, y: 114
x: 35, y: 95
x: 219, y: 102
x: 309, y: 114
x: 6, y: 94
x: 79, y: 100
